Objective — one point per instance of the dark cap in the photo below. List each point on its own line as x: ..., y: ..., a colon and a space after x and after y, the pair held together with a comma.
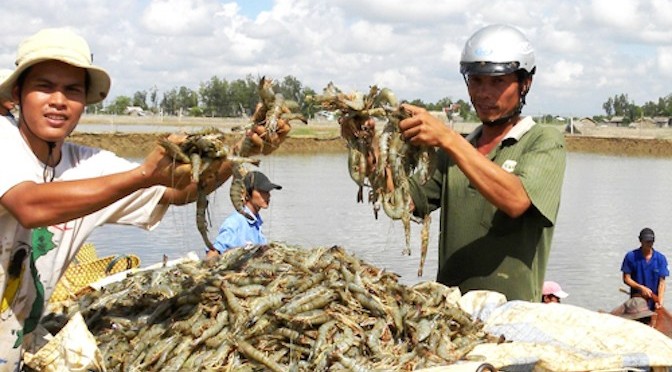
x: 647, y: 235
x: 258, y: 181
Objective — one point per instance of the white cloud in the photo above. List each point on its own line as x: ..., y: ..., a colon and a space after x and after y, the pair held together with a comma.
x: 619, y: 14
x: 664, y: 61
x: 562, y: 74
x: 558, y: 40
x: 176, y: 17
x: 451, y: 53
x: 404, y: 11
x: 370, y: 37
x: 586, y: 51
x: 661, y: 13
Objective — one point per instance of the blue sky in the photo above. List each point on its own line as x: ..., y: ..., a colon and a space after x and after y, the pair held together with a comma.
x: 252, y: 8
x: 586, y: 50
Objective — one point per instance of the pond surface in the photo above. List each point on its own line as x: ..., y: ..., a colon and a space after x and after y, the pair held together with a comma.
x: 606, y: 201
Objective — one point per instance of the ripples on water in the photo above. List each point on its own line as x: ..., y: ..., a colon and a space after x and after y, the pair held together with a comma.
x: 606, y: 201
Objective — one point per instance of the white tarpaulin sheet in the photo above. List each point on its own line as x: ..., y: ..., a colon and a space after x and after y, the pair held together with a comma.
x: 73, y: 349
x: 559, y: 337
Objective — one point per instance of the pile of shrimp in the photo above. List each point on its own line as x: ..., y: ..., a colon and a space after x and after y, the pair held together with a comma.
x: 277, y: 308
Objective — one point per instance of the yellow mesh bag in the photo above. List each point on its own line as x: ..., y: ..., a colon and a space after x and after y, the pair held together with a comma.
x: 78, y: 276
x: 86, y: 253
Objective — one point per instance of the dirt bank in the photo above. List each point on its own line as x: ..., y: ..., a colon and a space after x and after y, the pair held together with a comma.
x: 647, y: 147
x: 137, y: 145
x: 322, y: 136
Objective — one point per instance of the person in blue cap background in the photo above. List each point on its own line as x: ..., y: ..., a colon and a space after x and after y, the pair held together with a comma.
x: 238, y: 230
x: 645, y: 269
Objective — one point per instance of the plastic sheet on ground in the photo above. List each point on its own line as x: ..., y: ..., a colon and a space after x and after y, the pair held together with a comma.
x: 559, y: 337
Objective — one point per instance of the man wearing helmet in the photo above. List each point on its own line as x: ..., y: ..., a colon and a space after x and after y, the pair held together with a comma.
x: 498, y: 188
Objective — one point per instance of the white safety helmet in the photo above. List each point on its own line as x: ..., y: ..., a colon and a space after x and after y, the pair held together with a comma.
x: 497, y: 50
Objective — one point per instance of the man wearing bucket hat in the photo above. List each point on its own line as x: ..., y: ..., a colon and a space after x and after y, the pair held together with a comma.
x: 240, y: 229
x: 54, y: 193
x: 645, y: 269
x: 6, y: 101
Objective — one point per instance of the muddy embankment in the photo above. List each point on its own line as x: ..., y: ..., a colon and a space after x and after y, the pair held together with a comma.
x: 323, y: 136
x: 137, y: 145
x: 620, y: 146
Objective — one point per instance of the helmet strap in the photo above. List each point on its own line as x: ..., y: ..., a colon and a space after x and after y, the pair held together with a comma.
x: 504, y: 119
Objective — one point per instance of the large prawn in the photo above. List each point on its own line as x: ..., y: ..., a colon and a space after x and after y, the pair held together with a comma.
x: 238, y: 191
x: 270, y: 121
x: 200, y: 150
x: 387, y: 168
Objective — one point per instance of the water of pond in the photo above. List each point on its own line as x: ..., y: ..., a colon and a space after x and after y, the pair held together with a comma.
x: 606, y: 201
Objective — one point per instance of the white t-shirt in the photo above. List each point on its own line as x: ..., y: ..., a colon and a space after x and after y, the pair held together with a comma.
x: 44, y: 253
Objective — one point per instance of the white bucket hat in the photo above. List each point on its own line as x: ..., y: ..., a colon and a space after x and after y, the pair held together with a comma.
x: 60, y: 44
x: 4, y: 74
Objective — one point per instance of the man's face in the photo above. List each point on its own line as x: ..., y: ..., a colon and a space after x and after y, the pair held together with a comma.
x: 493, y: 96
x: 53, y: 97
x: 260, y: 199
x: 547, y: 299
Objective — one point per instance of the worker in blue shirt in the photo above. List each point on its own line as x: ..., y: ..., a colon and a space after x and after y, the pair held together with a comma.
x: 237, y: 230
x: 645, y: 269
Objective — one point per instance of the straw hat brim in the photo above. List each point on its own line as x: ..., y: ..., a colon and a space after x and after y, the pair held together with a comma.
x: 639, y: 315
x: 99, y: 79
x: 621, y: 311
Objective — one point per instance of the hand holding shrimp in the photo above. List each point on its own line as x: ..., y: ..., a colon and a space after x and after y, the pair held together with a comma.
x: 422, y: 128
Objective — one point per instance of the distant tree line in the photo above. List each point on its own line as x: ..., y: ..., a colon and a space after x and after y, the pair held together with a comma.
x: 218, y: 97
x: 621, y: 105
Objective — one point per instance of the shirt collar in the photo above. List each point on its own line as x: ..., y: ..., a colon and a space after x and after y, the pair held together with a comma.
x: 256, y: 218
x: 516, y: 132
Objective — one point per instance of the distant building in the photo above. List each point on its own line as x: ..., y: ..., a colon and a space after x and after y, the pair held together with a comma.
x: 662, y: 121
x: 580, y: 125
x: 615, y: 121
x: 651, y: 122
x: 452, y: 112
x: 643, y: 123
x: 134, y: 111
x: 325, y: 115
